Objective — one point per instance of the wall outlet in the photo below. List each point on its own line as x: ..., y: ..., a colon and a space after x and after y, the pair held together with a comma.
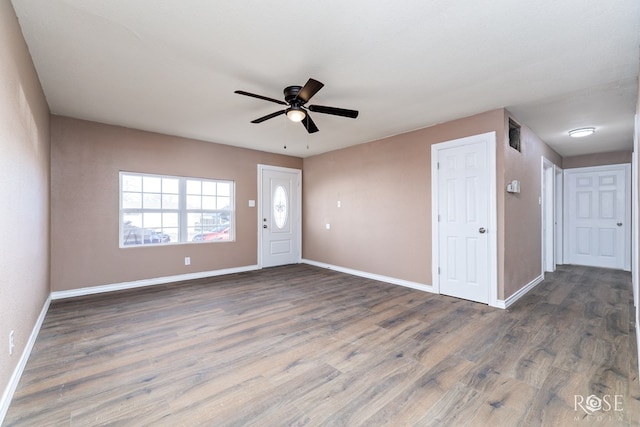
x: 187, y: 260
x: 12, y: 342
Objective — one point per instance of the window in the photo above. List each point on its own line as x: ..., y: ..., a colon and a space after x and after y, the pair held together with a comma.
x: 158, y: 209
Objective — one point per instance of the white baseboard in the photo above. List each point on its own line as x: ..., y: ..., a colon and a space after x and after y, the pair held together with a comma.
x: 378, y: 277
x: 147, y: 282
x: 522, y: 292
x: 7, y: 395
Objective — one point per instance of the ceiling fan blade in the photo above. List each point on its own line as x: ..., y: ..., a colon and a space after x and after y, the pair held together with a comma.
x: 308, y: 90
x: 268, y: 116
x: 309, y: 125
x: 266, y: 98
x: 333, y: 110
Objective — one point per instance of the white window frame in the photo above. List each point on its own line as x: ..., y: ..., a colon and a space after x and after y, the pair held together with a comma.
x: 182, y: 211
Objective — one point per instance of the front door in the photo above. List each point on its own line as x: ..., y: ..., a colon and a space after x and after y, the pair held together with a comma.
x: 463, y: 223
x: 280, y: 224
x: 598, y: 216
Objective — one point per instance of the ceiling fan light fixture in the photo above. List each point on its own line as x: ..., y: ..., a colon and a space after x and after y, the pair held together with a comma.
x: 296, y: 114
x: 581, y: 132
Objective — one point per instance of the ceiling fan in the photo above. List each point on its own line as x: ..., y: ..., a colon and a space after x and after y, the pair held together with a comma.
x: 294, y: 98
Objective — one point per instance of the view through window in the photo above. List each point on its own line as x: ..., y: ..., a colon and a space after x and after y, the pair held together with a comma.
x: 160, y: 209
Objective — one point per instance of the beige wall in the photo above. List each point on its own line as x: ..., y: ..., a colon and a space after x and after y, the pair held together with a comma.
x: 522, y: 211
x: 86, y: 158
x: 599, y: 159
x: 384, y: 223
x: 24, y: 191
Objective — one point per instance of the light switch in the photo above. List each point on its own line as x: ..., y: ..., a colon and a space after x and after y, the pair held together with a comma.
x: 252, y: 203
x: 339, y: 204
x: 328, y: 226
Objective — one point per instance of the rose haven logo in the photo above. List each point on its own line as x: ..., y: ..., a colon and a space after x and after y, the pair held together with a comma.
x: 609, y: 403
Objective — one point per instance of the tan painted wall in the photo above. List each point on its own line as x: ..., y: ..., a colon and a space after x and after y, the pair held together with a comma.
x: 599, y: 159
x: 384, y: 223
x: 522, y: 211
x: 86, y: 158
x: 24, y: 191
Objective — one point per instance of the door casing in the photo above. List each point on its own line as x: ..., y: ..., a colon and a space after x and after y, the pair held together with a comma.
x: 548, y: 210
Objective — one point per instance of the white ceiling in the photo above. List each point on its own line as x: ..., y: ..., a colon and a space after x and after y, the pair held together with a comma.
x: 172, y: 66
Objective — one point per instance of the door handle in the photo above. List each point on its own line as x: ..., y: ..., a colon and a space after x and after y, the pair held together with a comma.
x: 619, y: 224
x: 264, y: 226
x: 482, y: 230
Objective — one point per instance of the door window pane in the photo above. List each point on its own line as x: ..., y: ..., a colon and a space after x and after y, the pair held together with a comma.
x: 280, y: 207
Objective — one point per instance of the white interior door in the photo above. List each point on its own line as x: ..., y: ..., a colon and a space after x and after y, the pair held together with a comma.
x: 598, y: 216
x: 463, y: 218
x: 280, y: 223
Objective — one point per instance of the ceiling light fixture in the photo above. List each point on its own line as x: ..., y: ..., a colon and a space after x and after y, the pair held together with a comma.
x: 296, y: 114
x: 579, y: 133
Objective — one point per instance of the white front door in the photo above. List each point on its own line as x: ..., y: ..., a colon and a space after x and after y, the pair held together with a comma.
x: 598, y: 216
x: 464, y: 194
x: 279, y: 219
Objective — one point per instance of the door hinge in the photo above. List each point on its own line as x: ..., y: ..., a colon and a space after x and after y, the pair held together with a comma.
x: 438, y: 271
x: 438, y: 217
x: 437, y: 165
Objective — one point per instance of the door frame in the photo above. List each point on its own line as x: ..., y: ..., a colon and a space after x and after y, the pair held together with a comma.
x: 298, y: 226
x: 489, y: 139
x: 559, y: 219
x: 626, y: 167
x: 548, y: 211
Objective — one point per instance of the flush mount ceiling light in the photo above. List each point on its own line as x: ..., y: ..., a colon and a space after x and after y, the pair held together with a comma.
x: 579, y: 133
x: 296, y: 114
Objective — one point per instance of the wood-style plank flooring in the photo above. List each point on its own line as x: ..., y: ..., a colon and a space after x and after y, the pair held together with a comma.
x: 304, y: 346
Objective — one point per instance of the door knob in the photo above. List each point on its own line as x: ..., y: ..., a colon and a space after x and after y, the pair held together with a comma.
x: 264, y: 226
x: 482, y: 230
x: 619, y: 224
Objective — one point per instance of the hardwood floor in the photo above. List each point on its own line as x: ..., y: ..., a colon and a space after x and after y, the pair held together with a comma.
x: 299, y: 345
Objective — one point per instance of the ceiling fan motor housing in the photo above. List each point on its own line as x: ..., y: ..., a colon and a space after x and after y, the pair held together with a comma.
x: 290, y: 93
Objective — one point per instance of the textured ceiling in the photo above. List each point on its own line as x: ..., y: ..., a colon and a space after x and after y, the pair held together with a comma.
x: 172, y: 66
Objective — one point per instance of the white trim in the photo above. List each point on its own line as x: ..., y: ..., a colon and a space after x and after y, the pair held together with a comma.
x: 635, y: 249
x: 635, y: 222
x: 373, y: 276
x: 522, y: 292
x: 261, y: 169
x: 490, y: 140
x: 147, y: 282
x: 559, y: 218
x: 548, y: 229
x: 7, y: 395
